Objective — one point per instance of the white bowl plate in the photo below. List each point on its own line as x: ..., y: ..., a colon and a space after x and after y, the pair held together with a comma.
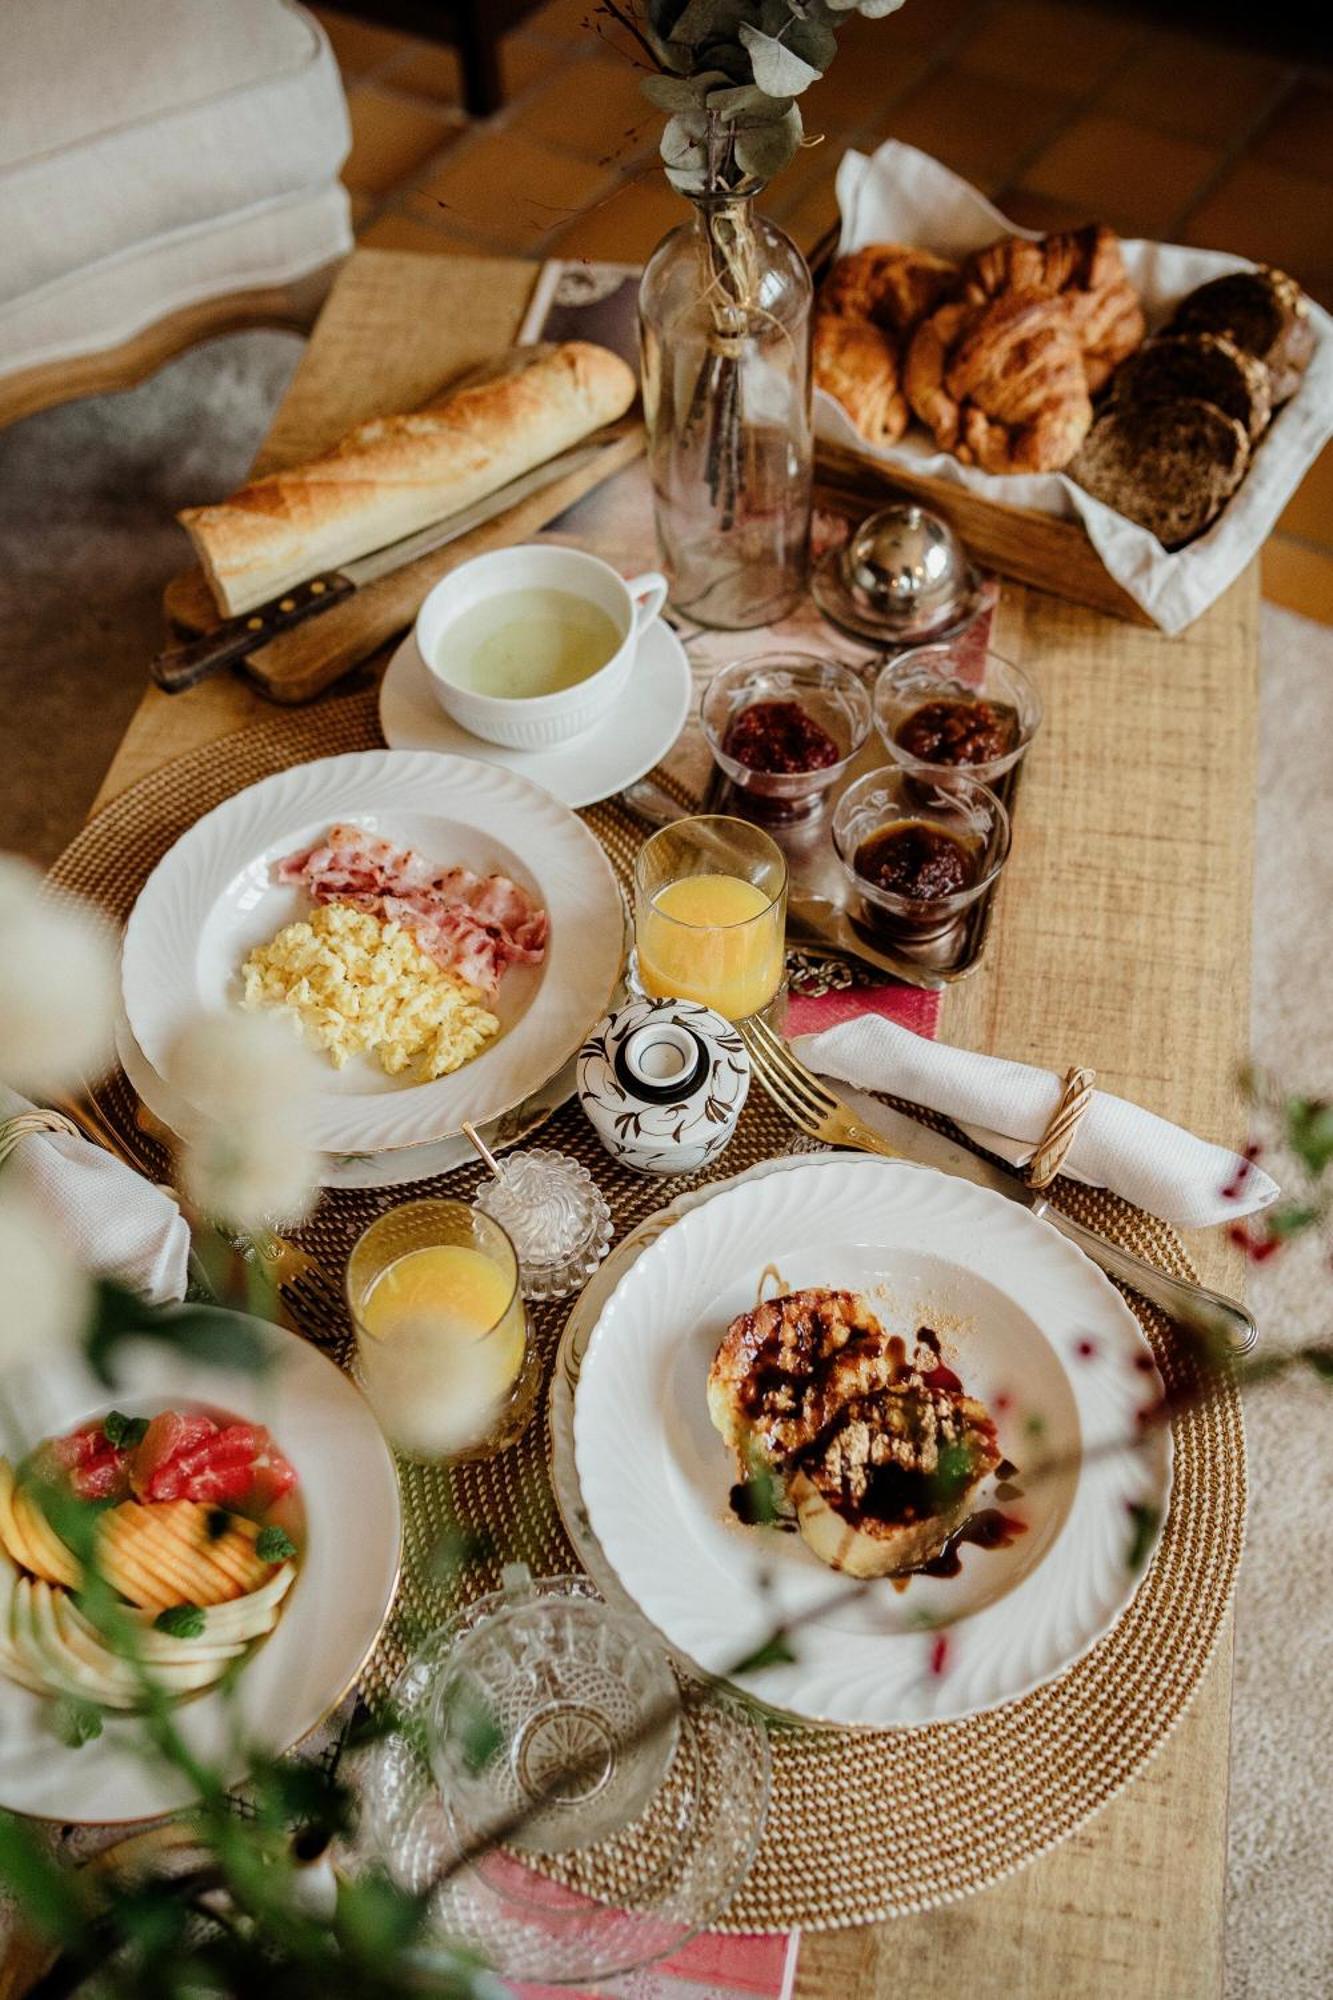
x: 215, y: 895
x: 332, y: 1614
x: 1035, y: 1331
x: 648, y: 716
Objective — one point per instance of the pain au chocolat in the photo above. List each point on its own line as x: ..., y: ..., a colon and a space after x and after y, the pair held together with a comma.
x: 877, y: 1451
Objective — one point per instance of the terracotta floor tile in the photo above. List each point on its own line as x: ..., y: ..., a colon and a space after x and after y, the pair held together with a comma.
x: 1134, y: 178
x: 508, y: 190
x: 1196, y: 89
x: 1282, y: 218
x: 359, y: 45
x: 565, y: 20
x: 863, y: 85
x: 815, y: 213
x: 391, y: 137
x: 1056, y: 47
x: 427, y: 69
x: 626, y: 227
x: 1041, y: 211
x: 913, y: 27
x: 595, y: 109
x: 1299, y: 136
x: 981, y: 126
x: 1299, y: 577
x: 394, y: 231
x: 1309, y: 512
x: 525, y: 61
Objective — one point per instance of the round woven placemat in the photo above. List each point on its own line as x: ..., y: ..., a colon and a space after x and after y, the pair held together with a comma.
x: 863, y: 1825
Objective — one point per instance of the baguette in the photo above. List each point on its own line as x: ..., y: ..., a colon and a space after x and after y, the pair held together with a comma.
x: 393, y: 475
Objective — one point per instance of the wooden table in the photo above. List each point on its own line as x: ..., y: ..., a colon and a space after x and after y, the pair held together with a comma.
x: 1122, y: 940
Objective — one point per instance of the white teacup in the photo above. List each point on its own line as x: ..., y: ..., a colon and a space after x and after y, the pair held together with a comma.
x: 535, y: 721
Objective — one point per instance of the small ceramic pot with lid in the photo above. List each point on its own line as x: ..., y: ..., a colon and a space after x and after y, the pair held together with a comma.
x: 663, y: 1083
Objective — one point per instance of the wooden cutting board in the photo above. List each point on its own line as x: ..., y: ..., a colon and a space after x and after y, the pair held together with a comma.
x: 303, y: 663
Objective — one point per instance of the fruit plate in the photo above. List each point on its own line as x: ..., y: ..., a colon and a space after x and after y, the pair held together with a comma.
x: 1032, y: 1327
x: 333, y: 1613
x: 215, y: 895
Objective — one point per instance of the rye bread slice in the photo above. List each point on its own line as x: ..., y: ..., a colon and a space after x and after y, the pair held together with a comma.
x: 1263, y: 311
x: 1204, y: 365
x: 1170, y: 466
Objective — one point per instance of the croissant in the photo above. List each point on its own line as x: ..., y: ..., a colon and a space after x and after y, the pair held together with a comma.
x: 1082, y: 266
x: 857, y: 363
x: 889, y: 283
x: 1001, y: 382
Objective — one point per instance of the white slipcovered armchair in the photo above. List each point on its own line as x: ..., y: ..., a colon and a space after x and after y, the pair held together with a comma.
x: 168, y: 170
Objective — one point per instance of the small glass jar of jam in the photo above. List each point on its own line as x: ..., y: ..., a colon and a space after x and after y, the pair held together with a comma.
x: 783, y: 727
x: 956, y: 708
x: 918, y: 854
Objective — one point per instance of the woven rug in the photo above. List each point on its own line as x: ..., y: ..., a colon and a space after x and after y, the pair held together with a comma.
x: 863, y: 1825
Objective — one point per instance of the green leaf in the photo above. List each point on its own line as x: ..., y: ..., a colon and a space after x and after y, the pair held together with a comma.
x: 76, y: 1722
x: 775, y: 1652
x: 274, y: 1545
x: 747, y: 100
x: 476, y: 1726
x: 209, y: 1334
x: 1146, y: 1520
x: 1289, y: 1219
x: 709, y: 20
x: 683, y: 93
x: 1320, y: 1359
x: 778, y: 70
x: 375, y: 1920
x: 50, y: 1895
x: 122, y: 1431
x: 764, y: 150
x: 1309, y: 1127
x: 181, y: 1621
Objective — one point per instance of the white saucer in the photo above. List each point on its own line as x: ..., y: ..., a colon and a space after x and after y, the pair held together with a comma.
x: 636, y: 735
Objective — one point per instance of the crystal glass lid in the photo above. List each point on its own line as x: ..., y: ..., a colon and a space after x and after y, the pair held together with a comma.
x: 571, y: 1808
x: 554, y: 1214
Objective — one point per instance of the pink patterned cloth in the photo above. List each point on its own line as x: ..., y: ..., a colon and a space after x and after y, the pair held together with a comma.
x: 711, y: 1967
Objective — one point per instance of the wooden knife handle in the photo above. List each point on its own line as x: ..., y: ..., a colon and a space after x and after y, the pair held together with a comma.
x: 184, y: 666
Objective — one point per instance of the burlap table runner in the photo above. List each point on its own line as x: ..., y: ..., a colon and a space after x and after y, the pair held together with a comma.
x: 863, y: 1824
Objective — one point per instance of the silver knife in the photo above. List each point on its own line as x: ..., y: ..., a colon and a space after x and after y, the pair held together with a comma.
x: 1225, y: 1323
x: 184, y: 666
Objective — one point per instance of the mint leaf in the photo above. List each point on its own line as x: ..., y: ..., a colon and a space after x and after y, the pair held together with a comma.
x: 274, y: 1545
x: 180, y: 1621
x: 76, y: 1722
x: 122, y: 1431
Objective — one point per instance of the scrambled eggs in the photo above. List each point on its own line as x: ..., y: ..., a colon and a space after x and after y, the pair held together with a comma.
x: 356, y: 983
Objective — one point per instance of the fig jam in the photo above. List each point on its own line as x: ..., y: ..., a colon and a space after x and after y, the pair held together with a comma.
x: 779, y: 737
x: 959, y: 732
x: 917, y: 861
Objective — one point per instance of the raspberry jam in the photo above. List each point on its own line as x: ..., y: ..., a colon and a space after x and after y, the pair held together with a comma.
x: 959, y: 732
x: 918, y: 862
x: 779, y: 737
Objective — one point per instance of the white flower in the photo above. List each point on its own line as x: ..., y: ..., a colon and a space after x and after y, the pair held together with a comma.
x: 57, y: 986
x: 245, y: 1161
x: 45, y: 1298
x: 434, y: 1392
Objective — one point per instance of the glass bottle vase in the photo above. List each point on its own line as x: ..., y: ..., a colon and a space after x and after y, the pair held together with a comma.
x: 724, y: 334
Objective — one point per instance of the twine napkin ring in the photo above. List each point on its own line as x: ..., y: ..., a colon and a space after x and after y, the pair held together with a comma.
x: 1055, y: 1141
x: 14, y: 1129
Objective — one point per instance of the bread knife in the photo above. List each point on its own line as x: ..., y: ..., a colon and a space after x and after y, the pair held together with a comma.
x: 180, y: 667
x: 1228, y: 1327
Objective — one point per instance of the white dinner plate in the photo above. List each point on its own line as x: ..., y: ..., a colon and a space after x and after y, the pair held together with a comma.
x: 215, y: 895
x: 646, y: 720
x: 332, y: 1614
x: 398, y: 1168
x: 1034, y: 1330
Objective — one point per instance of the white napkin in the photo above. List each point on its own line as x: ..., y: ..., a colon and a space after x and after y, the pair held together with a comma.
x: 116, y: 1223
x: 1006, y: 1106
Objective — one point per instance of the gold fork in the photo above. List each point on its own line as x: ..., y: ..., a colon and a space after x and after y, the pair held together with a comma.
x: 809, y: 1103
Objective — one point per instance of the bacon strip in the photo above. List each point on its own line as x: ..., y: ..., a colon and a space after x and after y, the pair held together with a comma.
x: 473, y: 925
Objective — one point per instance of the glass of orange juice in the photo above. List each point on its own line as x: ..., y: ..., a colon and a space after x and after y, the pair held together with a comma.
x: 710, y: 914
x: 444, y: 1351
